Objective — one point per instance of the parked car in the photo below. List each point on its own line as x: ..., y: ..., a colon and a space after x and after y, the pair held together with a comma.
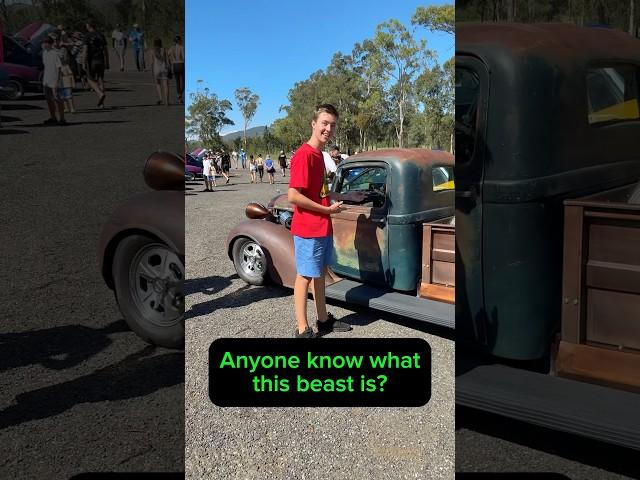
x: 141, y: 254
x: 24, y: 69
x: 194, y: 166
x: 385, y: 255
x: 547, y: 163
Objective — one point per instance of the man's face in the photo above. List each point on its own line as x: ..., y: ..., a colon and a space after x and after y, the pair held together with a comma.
x: 324, y: 127
x: 335, y: 154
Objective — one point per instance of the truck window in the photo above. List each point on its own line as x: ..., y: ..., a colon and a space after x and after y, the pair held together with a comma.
x: 467, y: 97
x: 612, y: 93
x: 442, y: 178
x: 361, y: 178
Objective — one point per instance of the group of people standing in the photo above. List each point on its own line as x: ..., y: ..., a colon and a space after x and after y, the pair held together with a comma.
x: 220, y: 162
x: 164, y: 64
x: 83, y: 57
x: 215, y: 163
x: 68, y: 58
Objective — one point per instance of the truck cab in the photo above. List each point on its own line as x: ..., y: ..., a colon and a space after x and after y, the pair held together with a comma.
x: 547, y: 160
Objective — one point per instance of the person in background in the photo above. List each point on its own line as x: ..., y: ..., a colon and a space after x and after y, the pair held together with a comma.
x: 225, y: 164
x: 207, y: 174
x: 335, y: 155
x: 136, y: 37
x: 160, y: 71
x: 271, y: 169
x: 234, y: 158
x: 119, y: 44
x: 78, y: 52
x: 51, y: 78
x: 260, y: 166
x: 97, y: 61
x: 67, y: 82
x: 176, y: 59
x: 252, y: 169
x: 243, y: 158
x: 282, y: 160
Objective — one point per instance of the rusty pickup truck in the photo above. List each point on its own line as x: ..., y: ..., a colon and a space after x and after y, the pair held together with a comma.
x: 548, y: 227
x: 393, y: 252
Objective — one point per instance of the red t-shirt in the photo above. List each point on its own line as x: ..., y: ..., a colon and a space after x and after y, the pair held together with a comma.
x: 308, y: 174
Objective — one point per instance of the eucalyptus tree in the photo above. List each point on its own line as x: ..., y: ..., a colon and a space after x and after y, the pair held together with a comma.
x: 206, y: 116
x: 248, y: 103
x: 401, y: 58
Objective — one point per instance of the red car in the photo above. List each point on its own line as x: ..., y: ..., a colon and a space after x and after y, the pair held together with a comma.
x: 192, y: 168
x: 24, y: 69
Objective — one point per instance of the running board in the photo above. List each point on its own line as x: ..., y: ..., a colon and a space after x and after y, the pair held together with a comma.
x: 584, y: 409
x: 438, y: 313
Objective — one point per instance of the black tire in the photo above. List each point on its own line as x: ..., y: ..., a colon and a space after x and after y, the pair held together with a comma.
x: 149, y: 285
x: 250, y: 260
x: 17, y: 90
x: 190, y: 176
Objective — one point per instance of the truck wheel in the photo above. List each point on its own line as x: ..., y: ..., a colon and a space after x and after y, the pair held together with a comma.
x: 250, y: 261
x: 149, y: 280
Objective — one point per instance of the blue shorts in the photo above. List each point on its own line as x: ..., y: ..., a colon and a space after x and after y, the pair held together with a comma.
x: 312, y: 255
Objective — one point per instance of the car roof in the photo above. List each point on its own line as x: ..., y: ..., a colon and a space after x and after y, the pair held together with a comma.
x: 557, y: 42
x: 421, y: 156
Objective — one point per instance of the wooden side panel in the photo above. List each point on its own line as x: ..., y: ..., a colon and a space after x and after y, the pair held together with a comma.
x: 599, y: 365
x: 572, y: 272
x: 601, y: 294
x: 613, y: 318
x: 438, y: 263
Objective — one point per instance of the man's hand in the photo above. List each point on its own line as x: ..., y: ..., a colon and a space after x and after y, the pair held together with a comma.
x: 335, y: 208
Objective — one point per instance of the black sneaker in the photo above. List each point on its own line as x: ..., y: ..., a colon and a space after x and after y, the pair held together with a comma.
x: 51, y: 121
x: 332, y: 324
x: 308, y: 333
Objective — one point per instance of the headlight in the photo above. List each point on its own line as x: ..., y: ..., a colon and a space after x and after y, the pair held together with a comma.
x: 285, y: 217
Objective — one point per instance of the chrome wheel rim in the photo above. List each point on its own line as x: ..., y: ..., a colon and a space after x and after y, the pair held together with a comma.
x: 156, y: 283
x: 252, y: 260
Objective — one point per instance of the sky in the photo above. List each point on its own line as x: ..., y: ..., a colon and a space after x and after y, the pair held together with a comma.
x: 268, y: 46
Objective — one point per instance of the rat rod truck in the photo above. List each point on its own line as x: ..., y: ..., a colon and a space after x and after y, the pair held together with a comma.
x: 394, y: 251
x: 548, y: 227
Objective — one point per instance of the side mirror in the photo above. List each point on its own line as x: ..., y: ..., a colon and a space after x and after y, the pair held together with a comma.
x: 164, y: 171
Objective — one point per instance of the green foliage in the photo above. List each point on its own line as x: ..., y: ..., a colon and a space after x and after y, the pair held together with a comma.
x: 248, y: 104
x: 441, y: 18
x: 207, y: 115
x: 619, y: 14
x: 375, y: 91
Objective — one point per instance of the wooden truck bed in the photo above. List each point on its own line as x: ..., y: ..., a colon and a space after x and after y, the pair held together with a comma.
x: 438, y: 261
x: 601, y: 289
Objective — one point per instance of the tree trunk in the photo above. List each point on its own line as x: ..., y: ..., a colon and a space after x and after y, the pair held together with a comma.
x: 245, y: 134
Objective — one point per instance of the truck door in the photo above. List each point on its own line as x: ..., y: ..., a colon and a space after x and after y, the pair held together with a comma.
x: 360, y: 231
x: 472, y: 82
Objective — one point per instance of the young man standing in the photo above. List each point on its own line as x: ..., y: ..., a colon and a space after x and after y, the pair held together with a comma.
x: 311, y: 224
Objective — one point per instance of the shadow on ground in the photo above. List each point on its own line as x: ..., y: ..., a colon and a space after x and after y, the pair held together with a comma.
x: 137, y: 375
x: 245, y: 295
x: 56, y: 348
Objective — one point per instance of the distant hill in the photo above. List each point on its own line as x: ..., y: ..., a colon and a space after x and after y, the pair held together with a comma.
x: 251, y: 132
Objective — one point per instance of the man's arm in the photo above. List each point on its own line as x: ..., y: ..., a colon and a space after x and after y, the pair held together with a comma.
x: 297, y: 198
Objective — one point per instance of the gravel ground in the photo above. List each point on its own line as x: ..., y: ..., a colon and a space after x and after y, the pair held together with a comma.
x: 285, y: 443
x: 79, y: 392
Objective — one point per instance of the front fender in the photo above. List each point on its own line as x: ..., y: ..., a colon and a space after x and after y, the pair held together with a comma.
x: 159, y: 214
x: 276, y: 241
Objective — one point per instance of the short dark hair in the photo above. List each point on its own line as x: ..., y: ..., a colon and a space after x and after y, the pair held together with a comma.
x: 325, y: 108
x: 335, y: 147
